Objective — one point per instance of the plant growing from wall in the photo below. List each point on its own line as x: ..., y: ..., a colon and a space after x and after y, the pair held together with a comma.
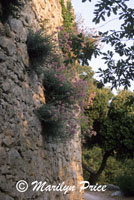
x: 56, y: 120
x: 60, y: 87
x: 76, y: 46
x: 39, y: 48
x: 68, y: 19
x: 64, y: 88
x: 51, y: 118
x: 62, y: 95
x: 64, y: 85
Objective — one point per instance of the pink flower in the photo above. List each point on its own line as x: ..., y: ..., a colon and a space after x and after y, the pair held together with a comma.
x: 49, y: 112
x: 68, y: 47
x: 70, y: 42
x: 55, y: 75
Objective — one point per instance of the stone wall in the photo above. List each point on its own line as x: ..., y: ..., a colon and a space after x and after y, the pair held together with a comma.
x: 25, y: 154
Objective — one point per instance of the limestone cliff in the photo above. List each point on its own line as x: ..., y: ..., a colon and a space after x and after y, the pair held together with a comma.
x: 24, y: 153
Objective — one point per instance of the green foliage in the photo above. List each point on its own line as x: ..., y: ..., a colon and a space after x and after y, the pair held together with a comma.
x: 128, y: 167
x: 62, y: 95
x: 39, y: 48
x: 97, y: 108
x: 77, y: 47
x: 65, y: 89
x: 85, y: 72
x: 58, y: 87
x: 119, y: 128
x: 91, y: 157
x: 10, y: 7
x: 113, y: 124
x: 58, y: 120
x: 126, y: 184
x: 118, y: 72
x: 82, y: 48
x: 52, y: 120
x: 113, y: 169
x: 68, y: 19
x: 122, y: 103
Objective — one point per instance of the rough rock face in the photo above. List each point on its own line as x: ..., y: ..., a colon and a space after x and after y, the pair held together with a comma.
x: 24, y: 152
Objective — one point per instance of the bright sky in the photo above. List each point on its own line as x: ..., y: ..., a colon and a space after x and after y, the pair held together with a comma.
x: 86, y: 11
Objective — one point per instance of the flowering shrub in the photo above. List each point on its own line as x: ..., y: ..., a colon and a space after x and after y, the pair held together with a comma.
x: 50, y: 116
x: 57, y: 119
x: 76, y: 46
x: 60, y: 88
x: 64, y: 86
x: 62, y: 96
x: 39, y: 47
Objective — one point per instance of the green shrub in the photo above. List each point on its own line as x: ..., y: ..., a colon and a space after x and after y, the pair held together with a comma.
x: 126, y: 184
x: 39, y: 48
x: 49, y: 112
x: 58, y: 87
x: 60, y: 97
x: 68, y: 19
x: 76, y: 46
x: 114, y: 168
x: 50, y: 119
x: 62, y: 94
x: 56, y: 120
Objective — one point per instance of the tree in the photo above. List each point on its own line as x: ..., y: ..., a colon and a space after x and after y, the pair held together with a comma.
x: 119, y: 126
x: 113, y: 169
x: 119, y: 72
x: 113, y: 123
